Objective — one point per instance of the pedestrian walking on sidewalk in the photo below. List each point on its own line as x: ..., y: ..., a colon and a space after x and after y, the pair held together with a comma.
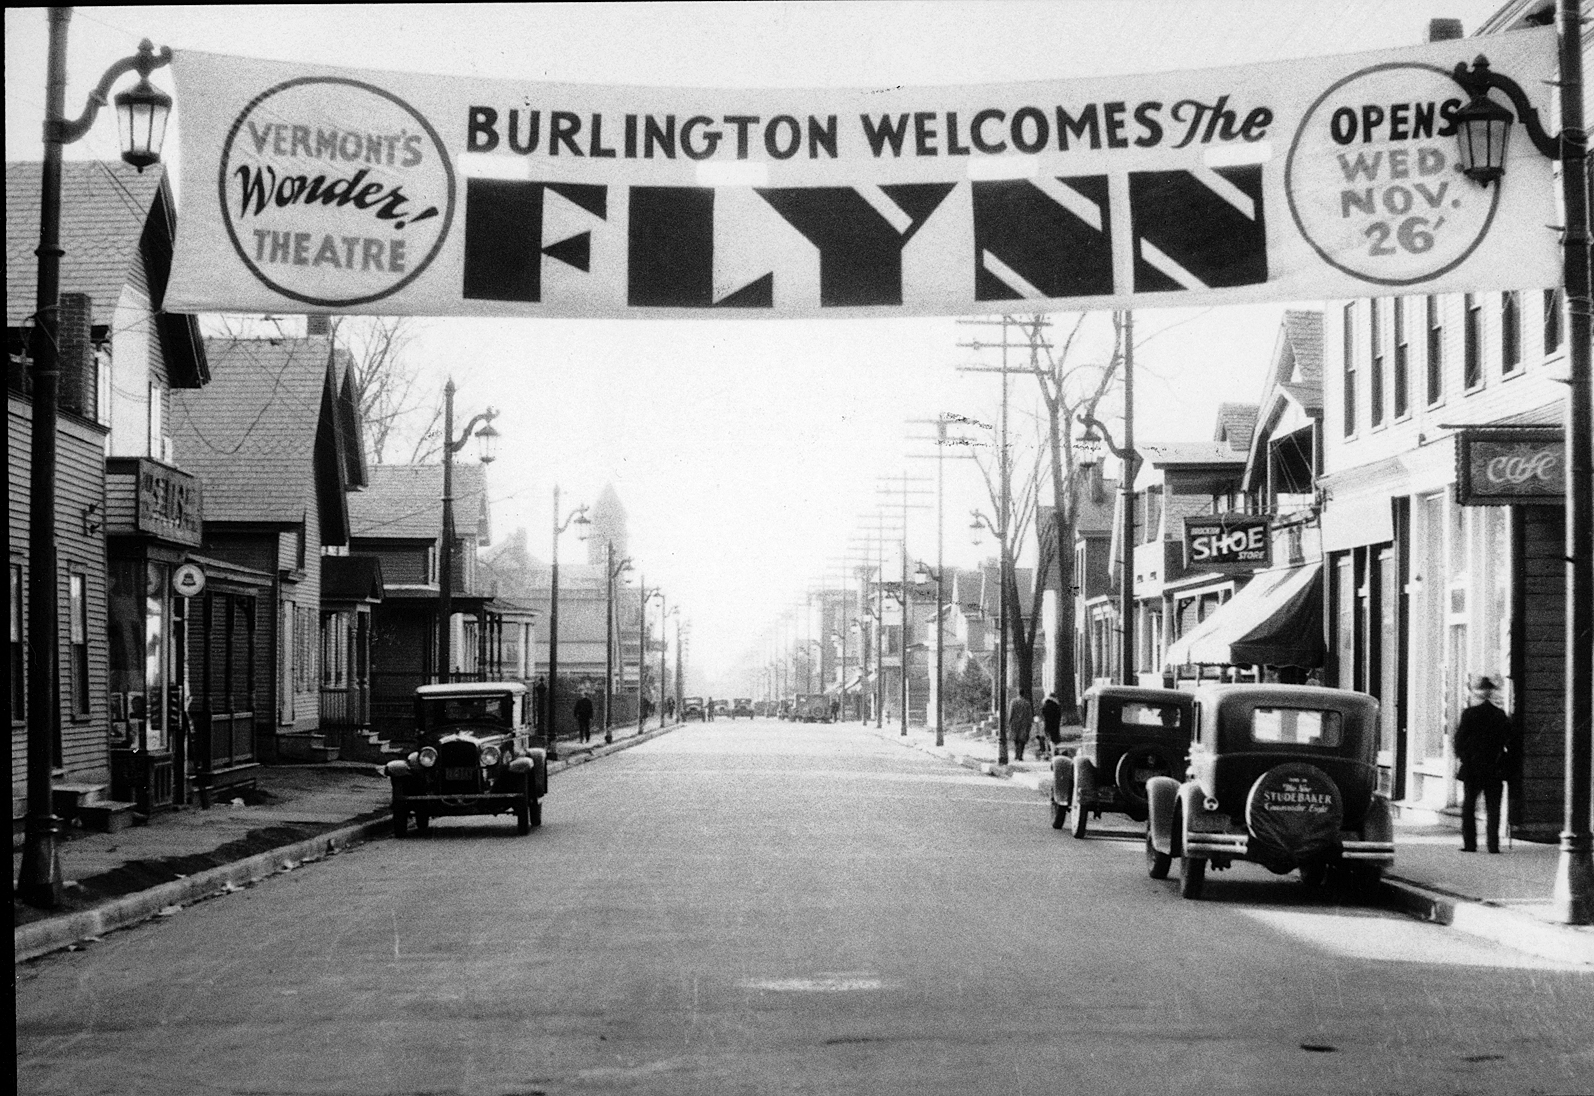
x: 584, y: 716
x: 1483, y: 748
x: 1052, y: 721
x: 1020, y: 720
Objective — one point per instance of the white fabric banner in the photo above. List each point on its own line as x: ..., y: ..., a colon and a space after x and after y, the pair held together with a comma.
x: 317, y: 189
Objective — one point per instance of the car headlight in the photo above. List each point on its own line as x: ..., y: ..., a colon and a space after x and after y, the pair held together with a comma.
x: 428, y: 758
x: 489, y: 756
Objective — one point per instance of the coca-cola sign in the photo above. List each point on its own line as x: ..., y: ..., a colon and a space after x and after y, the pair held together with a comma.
x: 1510, y: 467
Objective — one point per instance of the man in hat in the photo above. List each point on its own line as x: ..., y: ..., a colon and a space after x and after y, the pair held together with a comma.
x: 1483, y: 748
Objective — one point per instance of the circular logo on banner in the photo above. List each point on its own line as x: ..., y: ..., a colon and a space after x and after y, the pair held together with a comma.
x: 334, y: 192
x: 188, y: 580
x: 1373, y: 178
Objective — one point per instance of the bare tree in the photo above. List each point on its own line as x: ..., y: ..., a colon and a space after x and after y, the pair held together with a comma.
x: 1072, y: 392
x: 388, y: 382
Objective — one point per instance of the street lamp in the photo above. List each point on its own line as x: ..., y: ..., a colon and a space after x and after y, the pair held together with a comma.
x: 579, y: 517
x: 481, y: 428
x: 141, y: 122
x: 644, y: 595
x: 614, y: 570
x: 1483, y: 129
x: 999, y: 530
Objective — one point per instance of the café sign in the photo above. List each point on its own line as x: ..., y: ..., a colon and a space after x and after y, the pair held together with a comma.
x: 1497, y: 467
x: 1217, y: 543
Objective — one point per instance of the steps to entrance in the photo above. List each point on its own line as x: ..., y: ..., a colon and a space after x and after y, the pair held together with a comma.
x: 305, y: 747
x: 87, y: 805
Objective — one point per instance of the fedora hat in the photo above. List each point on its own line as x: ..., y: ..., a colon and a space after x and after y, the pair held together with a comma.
x: 1485, y: 684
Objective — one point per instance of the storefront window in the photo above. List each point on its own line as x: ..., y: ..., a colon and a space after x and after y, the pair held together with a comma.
x: 78, y: 640
x: 157, y: 654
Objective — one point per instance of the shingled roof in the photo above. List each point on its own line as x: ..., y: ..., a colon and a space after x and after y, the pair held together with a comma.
x: 264, y: 434
x: 112, y: 218
x: 405, y: 502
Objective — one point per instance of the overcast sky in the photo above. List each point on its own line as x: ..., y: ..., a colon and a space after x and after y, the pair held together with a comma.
x: 747, y: 452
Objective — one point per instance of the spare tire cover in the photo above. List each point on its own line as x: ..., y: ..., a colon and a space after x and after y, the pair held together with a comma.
x: 1139, y: 765
x: 1293, y: 814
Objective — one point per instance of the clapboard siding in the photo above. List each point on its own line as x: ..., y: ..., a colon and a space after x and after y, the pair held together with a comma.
x: 80, y: 547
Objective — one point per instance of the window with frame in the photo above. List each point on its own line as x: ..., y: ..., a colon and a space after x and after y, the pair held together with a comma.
x: 335, y: 650
x: 1436, y: 352
x: 1554, y: 301
x: 1375, y: 359
x: 1402, y: 376
x: 1472, y: 342
x: 1510, y: 332
x: 78, y: 641
x: 1349, y: 367
x: 303, y: 650
x: 19, y: 663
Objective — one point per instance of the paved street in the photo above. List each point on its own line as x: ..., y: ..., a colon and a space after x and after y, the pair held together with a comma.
x: 768, y: 907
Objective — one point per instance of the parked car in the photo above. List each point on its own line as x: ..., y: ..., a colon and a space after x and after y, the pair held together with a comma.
x: 473, y: 756
x: 722, y: 709
x: 692, y: 708
x: 742, y: 708
x: 813, y: 708
x: 788, y: 709
x: 763, y: 709
x: 1131, y: 735
x: 1282, y: 775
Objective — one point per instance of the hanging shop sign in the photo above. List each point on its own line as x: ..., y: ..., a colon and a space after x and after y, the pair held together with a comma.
x: 1228, y: 542
x: 169, y: 504
x: 188, y: 580
x: 1510, y: 467
x: 312, y: 188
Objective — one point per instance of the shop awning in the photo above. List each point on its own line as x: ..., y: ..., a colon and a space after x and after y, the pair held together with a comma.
x: 1275, y: 620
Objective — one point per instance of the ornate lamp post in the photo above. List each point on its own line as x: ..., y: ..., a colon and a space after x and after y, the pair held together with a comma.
x: 486, y: 437
x: 579, y: 517
x: 1483, y: 132
x: 141, y: 122
x: 614, y: 569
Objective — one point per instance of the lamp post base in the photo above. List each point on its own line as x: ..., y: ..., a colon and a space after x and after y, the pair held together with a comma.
x: 39, y: 882
x: 1572, y: 900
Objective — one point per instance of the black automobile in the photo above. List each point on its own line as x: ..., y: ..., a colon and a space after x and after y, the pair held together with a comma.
x: 742, y: 708
x: 692, y: 708
x: 473, y: 757
x: 1131, y: 735
x: 1285, y: 776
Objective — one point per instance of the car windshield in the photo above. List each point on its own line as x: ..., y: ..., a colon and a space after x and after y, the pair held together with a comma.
x: 1149, y: 715
x: 1297, y: 726
x: 442, y: 711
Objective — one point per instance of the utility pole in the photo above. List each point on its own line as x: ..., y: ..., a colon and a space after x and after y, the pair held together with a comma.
x: 902, y: 491
x: 941, y: 440
x: 1126, y: 502
x: 877, y: 541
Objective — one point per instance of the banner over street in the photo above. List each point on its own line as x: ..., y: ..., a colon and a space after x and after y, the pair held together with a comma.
x: 307, y: 188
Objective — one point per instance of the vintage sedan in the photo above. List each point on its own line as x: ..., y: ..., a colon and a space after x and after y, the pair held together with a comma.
x: 1131, y: 735
x: 692, y: 708
x: 742, y: 708
x: 1285, y: 776
x: 473, y: 757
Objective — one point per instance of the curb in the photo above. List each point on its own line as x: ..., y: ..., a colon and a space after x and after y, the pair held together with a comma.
x: 54, y: 933
x: 1519, y: 931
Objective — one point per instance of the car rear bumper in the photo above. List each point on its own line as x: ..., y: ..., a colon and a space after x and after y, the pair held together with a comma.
x: 1237, y: 846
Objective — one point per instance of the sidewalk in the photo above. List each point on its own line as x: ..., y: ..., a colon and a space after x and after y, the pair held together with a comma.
x: 296, y: 814
x: 1504, y: 898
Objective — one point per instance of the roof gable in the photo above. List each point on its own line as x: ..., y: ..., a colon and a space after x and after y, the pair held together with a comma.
x: 260, y: 435
x: 405, y: 502
x: 112, y: 217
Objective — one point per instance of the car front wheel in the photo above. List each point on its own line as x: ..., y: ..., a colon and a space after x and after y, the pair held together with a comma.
x: 1192, y: 876
x: 423, y: 822
x: 523, y: 815
x: 401, y: 820
x: 1080, y: 820
x: 1059, y: 815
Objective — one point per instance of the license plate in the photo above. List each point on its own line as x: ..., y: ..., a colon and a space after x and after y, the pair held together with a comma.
x: 459, y: 774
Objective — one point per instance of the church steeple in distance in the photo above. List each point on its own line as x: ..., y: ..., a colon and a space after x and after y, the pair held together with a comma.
x: 608, y: 524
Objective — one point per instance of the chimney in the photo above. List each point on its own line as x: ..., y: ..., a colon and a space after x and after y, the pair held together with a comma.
x: 1444, y: 30
x: 76, y: 354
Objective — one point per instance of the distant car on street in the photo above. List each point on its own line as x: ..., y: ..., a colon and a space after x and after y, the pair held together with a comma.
x: 692, y: 708
x: 742, y: 708
x: 1285, y: 776
x: 763, y: 709
x: 1130, y: 735
x: 722, y: 708
x: 813, y: 708
x: 473, y: 757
